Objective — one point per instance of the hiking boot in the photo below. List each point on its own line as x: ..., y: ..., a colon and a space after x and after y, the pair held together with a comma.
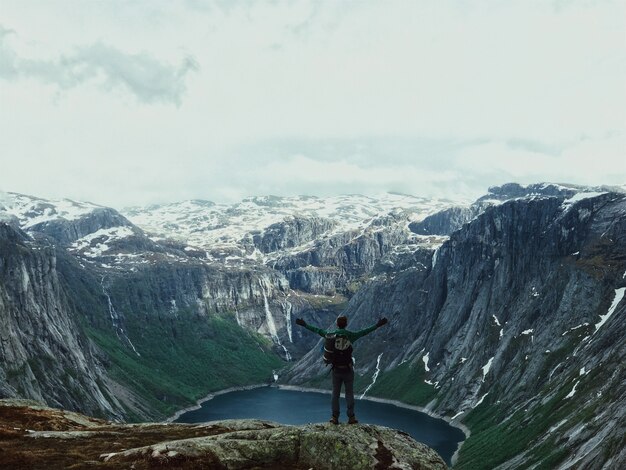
x: 334, y: 420
x: 352, y: 420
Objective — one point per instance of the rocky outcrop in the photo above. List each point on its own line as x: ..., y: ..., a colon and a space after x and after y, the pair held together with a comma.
x: 68, y: 231
x: 449, y: 220
x: 335, y: 262
x: 510, y: 191
x: 444, y: 222
x: 291, y: 232
x: 36, y: 437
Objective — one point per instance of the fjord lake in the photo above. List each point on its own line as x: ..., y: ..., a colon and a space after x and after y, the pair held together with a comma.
x: 301, y: 407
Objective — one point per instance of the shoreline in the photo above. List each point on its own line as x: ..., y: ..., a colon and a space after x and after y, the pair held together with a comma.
x: 208, y: 397
x: 464, y: 429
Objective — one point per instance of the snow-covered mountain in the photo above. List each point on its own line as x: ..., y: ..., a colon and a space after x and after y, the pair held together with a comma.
x: 226, y: 232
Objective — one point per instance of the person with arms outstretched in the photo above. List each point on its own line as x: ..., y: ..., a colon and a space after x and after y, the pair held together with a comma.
x: 338, y: 352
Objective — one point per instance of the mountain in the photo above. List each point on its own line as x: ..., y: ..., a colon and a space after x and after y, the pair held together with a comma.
x: 515, y: 328
x: 162, y: 321
x: 506, y: 314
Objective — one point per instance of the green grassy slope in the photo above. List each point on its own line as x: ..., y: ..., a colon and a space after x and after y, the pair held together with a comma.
x: 180, y: 360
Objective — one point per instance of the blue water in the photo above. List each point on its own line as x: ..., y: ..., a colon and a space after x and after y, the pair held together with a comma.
x: 291, y: 407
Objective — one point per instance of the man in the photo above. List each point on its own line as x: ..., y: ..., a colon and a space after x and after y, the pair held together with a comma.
x: 343, y: 372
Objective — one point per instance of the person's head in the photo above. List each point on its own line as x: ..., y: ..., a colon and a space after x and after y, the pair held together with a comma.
x: 342, y: 321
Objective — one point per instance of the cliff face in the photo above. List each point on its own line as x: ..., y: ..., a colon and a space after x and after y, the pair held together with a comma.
x: 291, y: 232
x: 343, y: 261
x: 39, y: 437
x: 44, y: 354
x: 517, y: 323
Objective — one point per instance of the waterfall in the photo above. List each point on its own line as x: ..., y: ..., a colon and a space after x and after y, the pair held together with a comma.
x: 434, y: 260
x: 115, y: 320
x: 271, y: 324
x: 239, y: 322
x: 374, y: 377
x: 287, y: 309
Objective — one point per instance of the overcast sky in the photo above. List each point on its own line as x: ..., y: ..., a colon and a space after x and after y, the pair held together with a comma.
x: 125, y: 103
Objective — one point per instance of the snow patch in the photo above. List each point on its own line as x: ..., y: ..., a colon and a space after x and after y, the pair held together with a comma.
x: 573, y: 391
x: 496, y: 320
x: 557, y: 426
x: 619, y: 295
x: 457, y: 415
x: 579, y: 197
x: 486, y: 367
x: 481, y: 400
x: 101, y: 238
x: 574, y: 328
x: 425, y: 359
x: 527, y: 332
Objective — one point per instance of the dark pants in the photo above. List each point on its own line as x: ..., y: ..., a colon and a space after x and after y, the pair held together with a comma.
x: 345, y: 376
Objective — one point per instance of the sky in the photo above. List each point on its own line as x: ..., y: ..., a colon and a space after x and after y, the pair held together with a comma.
x: 130, y: 103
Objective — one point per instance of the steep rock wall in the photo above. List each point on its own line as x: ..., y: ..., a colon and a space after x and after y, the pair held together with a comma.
x: 44, y: 354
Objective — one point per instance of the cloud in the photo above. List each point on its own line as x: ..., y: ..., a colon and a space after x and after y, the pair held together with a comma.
x: 587, y: 161
x: 148, y: 79
x: 316, y: 97
x: 303, y: 174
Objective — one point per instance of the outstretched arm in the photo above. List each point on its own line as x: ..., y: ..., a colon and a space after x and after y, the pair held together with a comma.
x: 312, y: 328
x: 366, y: 331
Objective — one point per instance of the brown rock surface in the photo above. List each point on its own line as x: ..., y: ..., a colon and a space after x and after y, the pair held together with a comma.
x: 37, y: 437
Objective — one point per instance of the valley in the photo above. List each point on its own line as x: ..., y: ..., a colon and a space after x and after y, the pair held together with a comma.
x: 506, y: 313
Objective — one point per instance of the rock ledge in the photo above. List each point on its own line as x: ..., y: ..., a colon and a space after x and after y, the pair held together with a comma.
x: 38, y: 436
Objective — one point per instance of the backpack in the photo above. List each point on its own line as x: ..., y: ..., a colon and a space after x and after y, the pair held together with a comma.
x: 337, y: 350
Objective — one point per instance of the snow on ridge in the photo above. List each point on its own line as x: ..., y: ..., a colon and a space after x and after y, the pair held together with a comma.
x: 108, y: 234
x: 619, y: 295
x: 230, y: 226
x: 31, y: 211
x: 567, y: 203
